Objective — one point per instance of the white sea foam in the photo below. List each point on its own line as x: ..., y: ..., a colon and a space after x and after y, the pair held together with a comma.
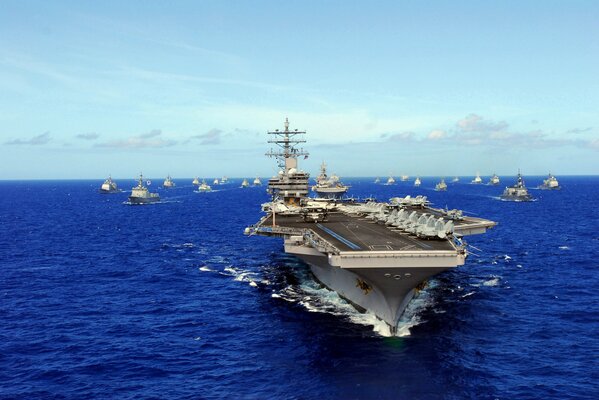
x: 468, y: 294
x: 205, y: 268
x: 564, y: 248
x: 491, y: 282
x: 317, y: 299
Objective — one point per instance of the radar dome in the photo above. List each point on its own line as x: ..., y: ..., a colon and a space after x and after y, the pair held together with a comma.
x: 292, y: 171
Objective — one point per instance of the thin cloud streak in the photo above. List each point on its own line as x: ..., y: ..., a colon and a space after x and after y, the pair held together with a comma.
x: 34, y: 141
x: 151, y: 139
x: 88, y: 136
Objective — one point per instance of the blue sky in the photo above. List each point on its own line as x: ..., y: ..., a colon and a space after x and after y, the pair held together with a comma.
x: 190, y: 88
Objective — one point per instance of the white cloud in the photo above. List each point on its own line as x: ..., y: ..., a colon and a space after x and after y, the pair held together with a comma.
x: 213, y: 136
x: 151, y: 139
x: 437, y: 134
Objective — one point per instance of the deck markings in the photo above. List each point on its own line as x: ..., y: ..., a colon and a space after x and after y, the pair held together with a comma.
x: 343, y: 240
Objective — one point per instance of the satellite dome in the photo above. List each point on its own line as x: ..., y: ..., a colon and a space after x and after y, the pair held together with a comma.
x: 292, y: 171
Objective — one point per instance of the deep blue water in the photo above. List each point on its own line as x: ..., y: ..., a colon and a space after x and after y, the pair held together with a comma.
x: 103, y: 300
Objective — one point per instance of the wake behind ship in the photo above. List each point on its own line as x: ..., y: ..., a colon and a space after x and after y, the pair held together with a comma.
x: 375, y: 255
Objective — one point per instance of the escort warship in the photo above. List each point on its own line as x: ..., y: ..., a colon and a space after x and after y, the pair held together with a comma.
x: 417, y: 182
x: 257, y: 182
x: 376, y: 255
x: 141, y: 195
x: 196, y: 181
x: 109, y: 186
x: 328, y: 187
x: 550, y: 183
x: 494, y: 180
x: 441, y: 186
x: 168, y: 183
x: 245, y: 183
x: 477, y: 180
x: 204, y: 187
x: 517, y: 192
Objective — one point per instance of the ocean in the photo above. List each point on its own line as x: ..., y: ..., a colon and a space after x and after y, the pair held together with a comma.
x: 103, y: 300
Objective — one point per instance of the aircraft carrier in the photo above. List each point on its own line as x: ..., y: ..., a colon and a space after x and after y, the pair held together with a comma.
x: 376, y: 255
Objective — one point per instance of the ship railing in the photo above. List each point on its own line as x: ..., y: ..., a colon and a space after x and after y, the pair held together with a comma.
x: 319, y: 243
x: 310, y: 237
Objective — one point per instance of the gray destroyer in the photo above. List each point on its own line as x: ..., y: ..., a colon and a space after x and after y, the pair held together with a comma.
x: 517, y: 192
x: 141, y: 195
x: 375, y: 255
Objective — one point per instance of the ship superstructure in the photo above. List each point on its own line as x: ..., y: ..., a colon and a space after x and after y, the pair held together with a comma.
x: 374, y: 254
x: 328, y: 187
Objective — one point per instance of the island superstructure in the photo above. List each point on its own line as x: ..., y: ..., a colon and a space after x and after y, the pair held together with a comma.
x: 376, y: 255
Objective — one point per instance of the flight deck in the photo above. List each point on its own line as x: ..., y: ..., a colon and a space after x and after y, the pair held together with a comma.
x: 353, y: 233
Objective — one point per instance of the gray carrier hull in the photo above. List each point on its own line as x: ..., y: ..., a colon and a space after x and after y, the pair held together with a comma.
x: 143, y: 200
x: 516, y: 198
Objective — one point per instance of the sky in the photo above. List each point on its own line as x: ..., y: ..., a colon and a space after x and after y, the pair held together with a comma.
x: 190, y: 88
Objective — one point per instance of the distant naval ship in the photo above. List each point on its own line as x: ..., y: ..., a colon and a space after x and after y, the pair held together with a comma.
x: 196, y: 181
x: 374, y: 254
x: 257, y: 182
x: 204, y: 187
x: 390, y: 181
x: 328, y: 187
x: 441, y: 186
x: 550, y: 183
x: 517, y: 192
x: 417, y: 181
x: 141, y: 195
x: 494, y: 180
x: 245, y: 183
x: 109, y: 186
x: 477, y: 180
x: 168, y: 183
